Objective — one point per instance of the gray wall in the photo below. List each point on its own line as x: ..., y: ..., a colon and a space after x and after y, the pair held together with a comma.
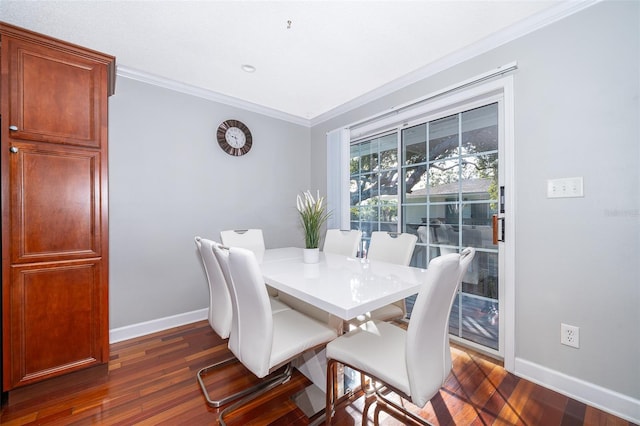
x: 170, y: 181
x: 576, y: 114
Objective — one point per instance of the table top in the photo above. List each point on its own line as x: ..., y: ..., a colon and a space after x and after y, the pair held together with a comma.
x: 343, y: 286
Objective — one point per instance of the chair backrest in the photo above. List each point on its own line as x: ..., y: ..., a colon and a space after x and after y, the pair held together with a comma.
x: 428, y: 354
x: 391, y: 247
x: 251, y: 239
x: 342, y: 242
x: 251, y: 335
x: 423, y: 234
x: 220, y: 310
x: 222, y: 256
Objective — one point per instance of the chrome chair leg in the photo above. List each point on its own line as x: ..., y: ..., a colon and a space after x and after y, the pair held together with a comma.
x: 253, y: 393
x: 215, y: 403
x: 203, y: 372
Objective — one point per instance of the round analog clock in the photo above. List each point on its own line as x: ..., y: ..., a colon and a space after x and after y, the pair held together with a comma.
x: 234, y: 137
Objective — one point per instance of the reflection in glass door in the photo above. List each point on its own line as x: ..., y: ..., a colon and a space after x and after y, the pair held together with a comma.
x: 449, y: 195
x: 374, y: 186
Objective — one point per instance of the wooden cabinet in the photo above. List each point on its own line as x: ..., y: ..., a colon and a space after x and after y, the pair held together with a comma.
x: 53, y: 130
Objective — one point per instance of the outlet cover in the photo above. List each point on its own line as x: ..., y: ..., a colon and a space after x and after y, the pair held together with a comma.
x: 570, y: 335
x: 565, y: 187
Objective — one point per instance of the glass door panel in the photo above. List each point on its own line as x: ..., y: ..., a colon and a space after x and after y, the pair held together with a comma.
x: 449, y: 206
x: 374, y: 186
x: 443, y: 138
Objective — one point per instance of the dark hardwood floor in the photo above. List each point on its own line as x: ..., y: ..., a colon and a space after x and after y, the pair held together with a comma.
x: 151, y: 381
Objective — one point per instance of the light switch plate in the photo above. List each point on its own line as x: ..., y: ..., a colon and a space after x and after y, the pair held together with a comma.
x: 565, y: 187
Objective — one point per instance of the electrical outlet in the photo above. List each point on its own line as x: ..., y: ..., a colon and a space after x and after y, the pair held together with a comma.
x: 570, y: 335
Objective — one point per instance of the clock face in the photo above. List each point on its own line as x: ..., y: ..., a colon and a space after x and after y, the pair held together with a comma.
x: 234, y: 137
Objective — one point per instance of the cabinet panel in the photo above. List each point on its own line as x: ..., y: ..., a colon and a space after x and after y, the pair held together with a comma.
x: 55, y: 198
x: 55, y: 96
x: 55, y: 317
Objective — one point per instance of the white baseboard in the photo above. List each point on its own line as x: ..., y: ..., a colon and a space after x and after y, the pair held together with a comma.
x: 604, y: 399
x: 153, y: 326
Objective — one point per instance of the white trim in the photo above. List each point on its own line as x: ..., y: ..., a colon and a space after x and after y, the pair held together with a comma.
x: 153, y: 326
x: 535, y: 22
x: 591, y: 394
x: 509, y: 288
x: 145, y: 77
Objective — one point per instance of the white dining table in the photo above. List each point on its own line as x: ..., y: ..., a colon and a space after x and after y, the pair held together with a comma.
x: 342, y: 286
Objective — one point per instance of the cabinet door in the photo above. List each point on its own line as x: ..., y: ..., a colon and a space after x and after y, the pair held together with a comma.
x: 55, y: 322
x: 56, y: 203
x: 55, y: 95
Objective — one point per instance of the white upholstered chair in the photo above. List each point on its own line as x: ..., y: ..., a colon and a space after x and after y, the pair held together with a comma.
x: 220, y: 313
x: 220, y: 310
x: 263, y: 340
x: 393, y: 248
x: 413, y: 363
x: 423, y: 234
x: 342, y: 242
x: 219, y: 249
x: 251, y: 239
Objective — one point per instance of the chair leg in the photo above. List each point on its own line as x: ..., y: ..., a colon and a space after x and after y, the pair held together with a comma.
x: 368, y: 401
x: 376, y: 415
x: 331, y: 390
x: 203, y: 372
x: 215, y: 403
x: 396, y: 411
x: 263, y: 387
x: 332, y: 393
x: 367, y: 384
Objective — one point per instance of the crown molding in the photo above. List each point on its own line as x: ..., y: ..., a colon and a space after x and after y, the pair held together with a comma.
x: 167, y: 83
x: 524, y: 27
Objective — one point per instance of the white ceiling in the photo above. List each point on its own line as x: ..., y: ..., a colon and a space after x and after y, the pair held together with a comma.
x: 333, y: 52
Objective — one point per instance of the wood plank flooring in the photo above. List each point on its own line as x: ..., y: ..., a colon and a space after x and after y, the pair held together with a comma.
x: 151, y: 381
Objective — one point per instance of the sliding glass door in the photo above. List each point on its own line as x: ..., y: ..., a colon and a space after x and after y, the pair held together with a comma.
x: 438, y: 178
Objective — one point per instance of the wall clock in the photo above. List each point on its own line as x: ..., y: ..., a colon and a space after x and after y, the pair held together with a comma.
x: 234, y: 137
